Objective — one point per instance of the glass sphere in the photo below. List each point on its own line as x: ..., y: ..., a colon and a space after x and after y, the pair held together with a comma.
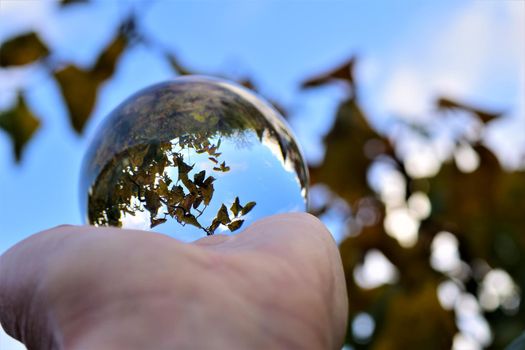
x: 192, y: 157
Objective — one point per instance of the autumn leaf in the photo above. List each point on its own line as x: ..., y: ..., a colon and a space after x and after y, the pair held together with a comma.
x: 236, y: 207
x: 79, y: 89
x: 191, y: 220
x: 207, y: 190
x: 235, y: 225
x: 222, y: 215
x: 79, y: 86
x: 176, y: 65
x: 152, y: 202
x: 343, y: 72
x: 198, y: 201
x: 247, y: 208
x: 156, y: 222
x: 23, y: 49
x: 444, y: 103
x: 198, y: 178
x: 71, y: 2
x: 346, y: 172
x: 20, y: 124
x: 215, y: 223
x: 223, y: 167
x: 108, y: 58
x: 183, y: 167
x: 188, y: 201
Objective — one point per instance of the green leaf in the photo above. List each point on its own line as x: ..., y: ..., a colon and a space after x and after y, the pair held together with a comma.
x: 247, y: 208
x: 20, y: 124
x: 22, y: 50
x: 235, y: 225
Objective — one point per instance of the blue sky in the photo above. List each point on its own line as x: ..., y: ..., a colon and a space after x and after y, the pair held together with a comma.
x: 410, y: 51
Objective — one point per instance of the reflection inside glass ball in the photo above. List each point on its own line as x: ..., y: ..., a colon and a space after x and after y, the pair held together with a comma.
x: 192, y: 157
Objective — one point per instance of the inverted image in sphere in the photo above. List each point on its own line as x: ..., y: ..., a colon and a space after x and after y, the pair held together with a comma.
x: 192, y: 157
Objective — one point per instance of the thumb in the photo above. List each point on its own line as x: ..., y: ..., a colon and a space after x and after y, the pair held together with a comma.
x: 303, y: 245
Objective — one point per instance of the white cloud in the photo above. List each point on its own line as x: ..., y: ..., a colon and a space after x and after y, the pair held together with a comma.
x: 476, y: 55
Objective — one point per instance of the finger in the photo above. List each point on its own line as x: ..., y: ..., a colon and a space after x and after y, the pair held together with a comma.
x: 305, y: 252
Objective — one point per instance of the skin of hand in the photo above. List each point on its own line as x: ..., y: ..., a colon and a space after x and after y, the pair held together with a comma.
x: 277, y: 285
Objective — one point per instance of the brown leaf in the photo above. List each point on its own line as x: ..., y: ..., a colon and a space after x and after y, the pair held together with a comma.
x: 236, y: 207
x: 22, y: 50
x: 175, y: 64
x: 107, y: 60
x: 207, y: 190
x: 235, y: 225
x: 175, y: 195
x: 215, y: 223
x: 198, y: 178
x: 222, y: 215
x: 79, y: 89
x: 20, y: 124
x: 152, y: 202
x: 222, y: 167
x: 71, y: 2
x: 155, y: 222
x: 198, y: 201
x: 345, y: 166
x: 444, y: 103
x: 79, y: 86
x: 342, y: 72
x: 191, y: 220
x: 247, y: 208
x: 183, y: 167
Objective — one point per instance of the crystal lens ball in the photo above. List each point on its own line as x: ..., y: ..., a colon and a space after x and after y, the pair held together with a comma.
x: 192, y: 157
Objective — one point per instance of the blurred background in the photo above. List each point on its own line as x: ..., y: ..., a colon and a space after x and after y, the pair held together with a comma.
x: 411, y: 116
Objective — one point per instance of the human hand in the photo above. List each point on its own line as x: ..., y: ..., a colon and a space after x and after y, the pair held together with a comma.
x: 277, y: 285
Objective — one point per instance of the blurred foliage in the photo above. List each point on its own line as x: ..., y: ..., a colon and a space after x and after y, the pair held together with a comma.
x: 21, y: 50
x: 483, y: 209
x: 20, y: 124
